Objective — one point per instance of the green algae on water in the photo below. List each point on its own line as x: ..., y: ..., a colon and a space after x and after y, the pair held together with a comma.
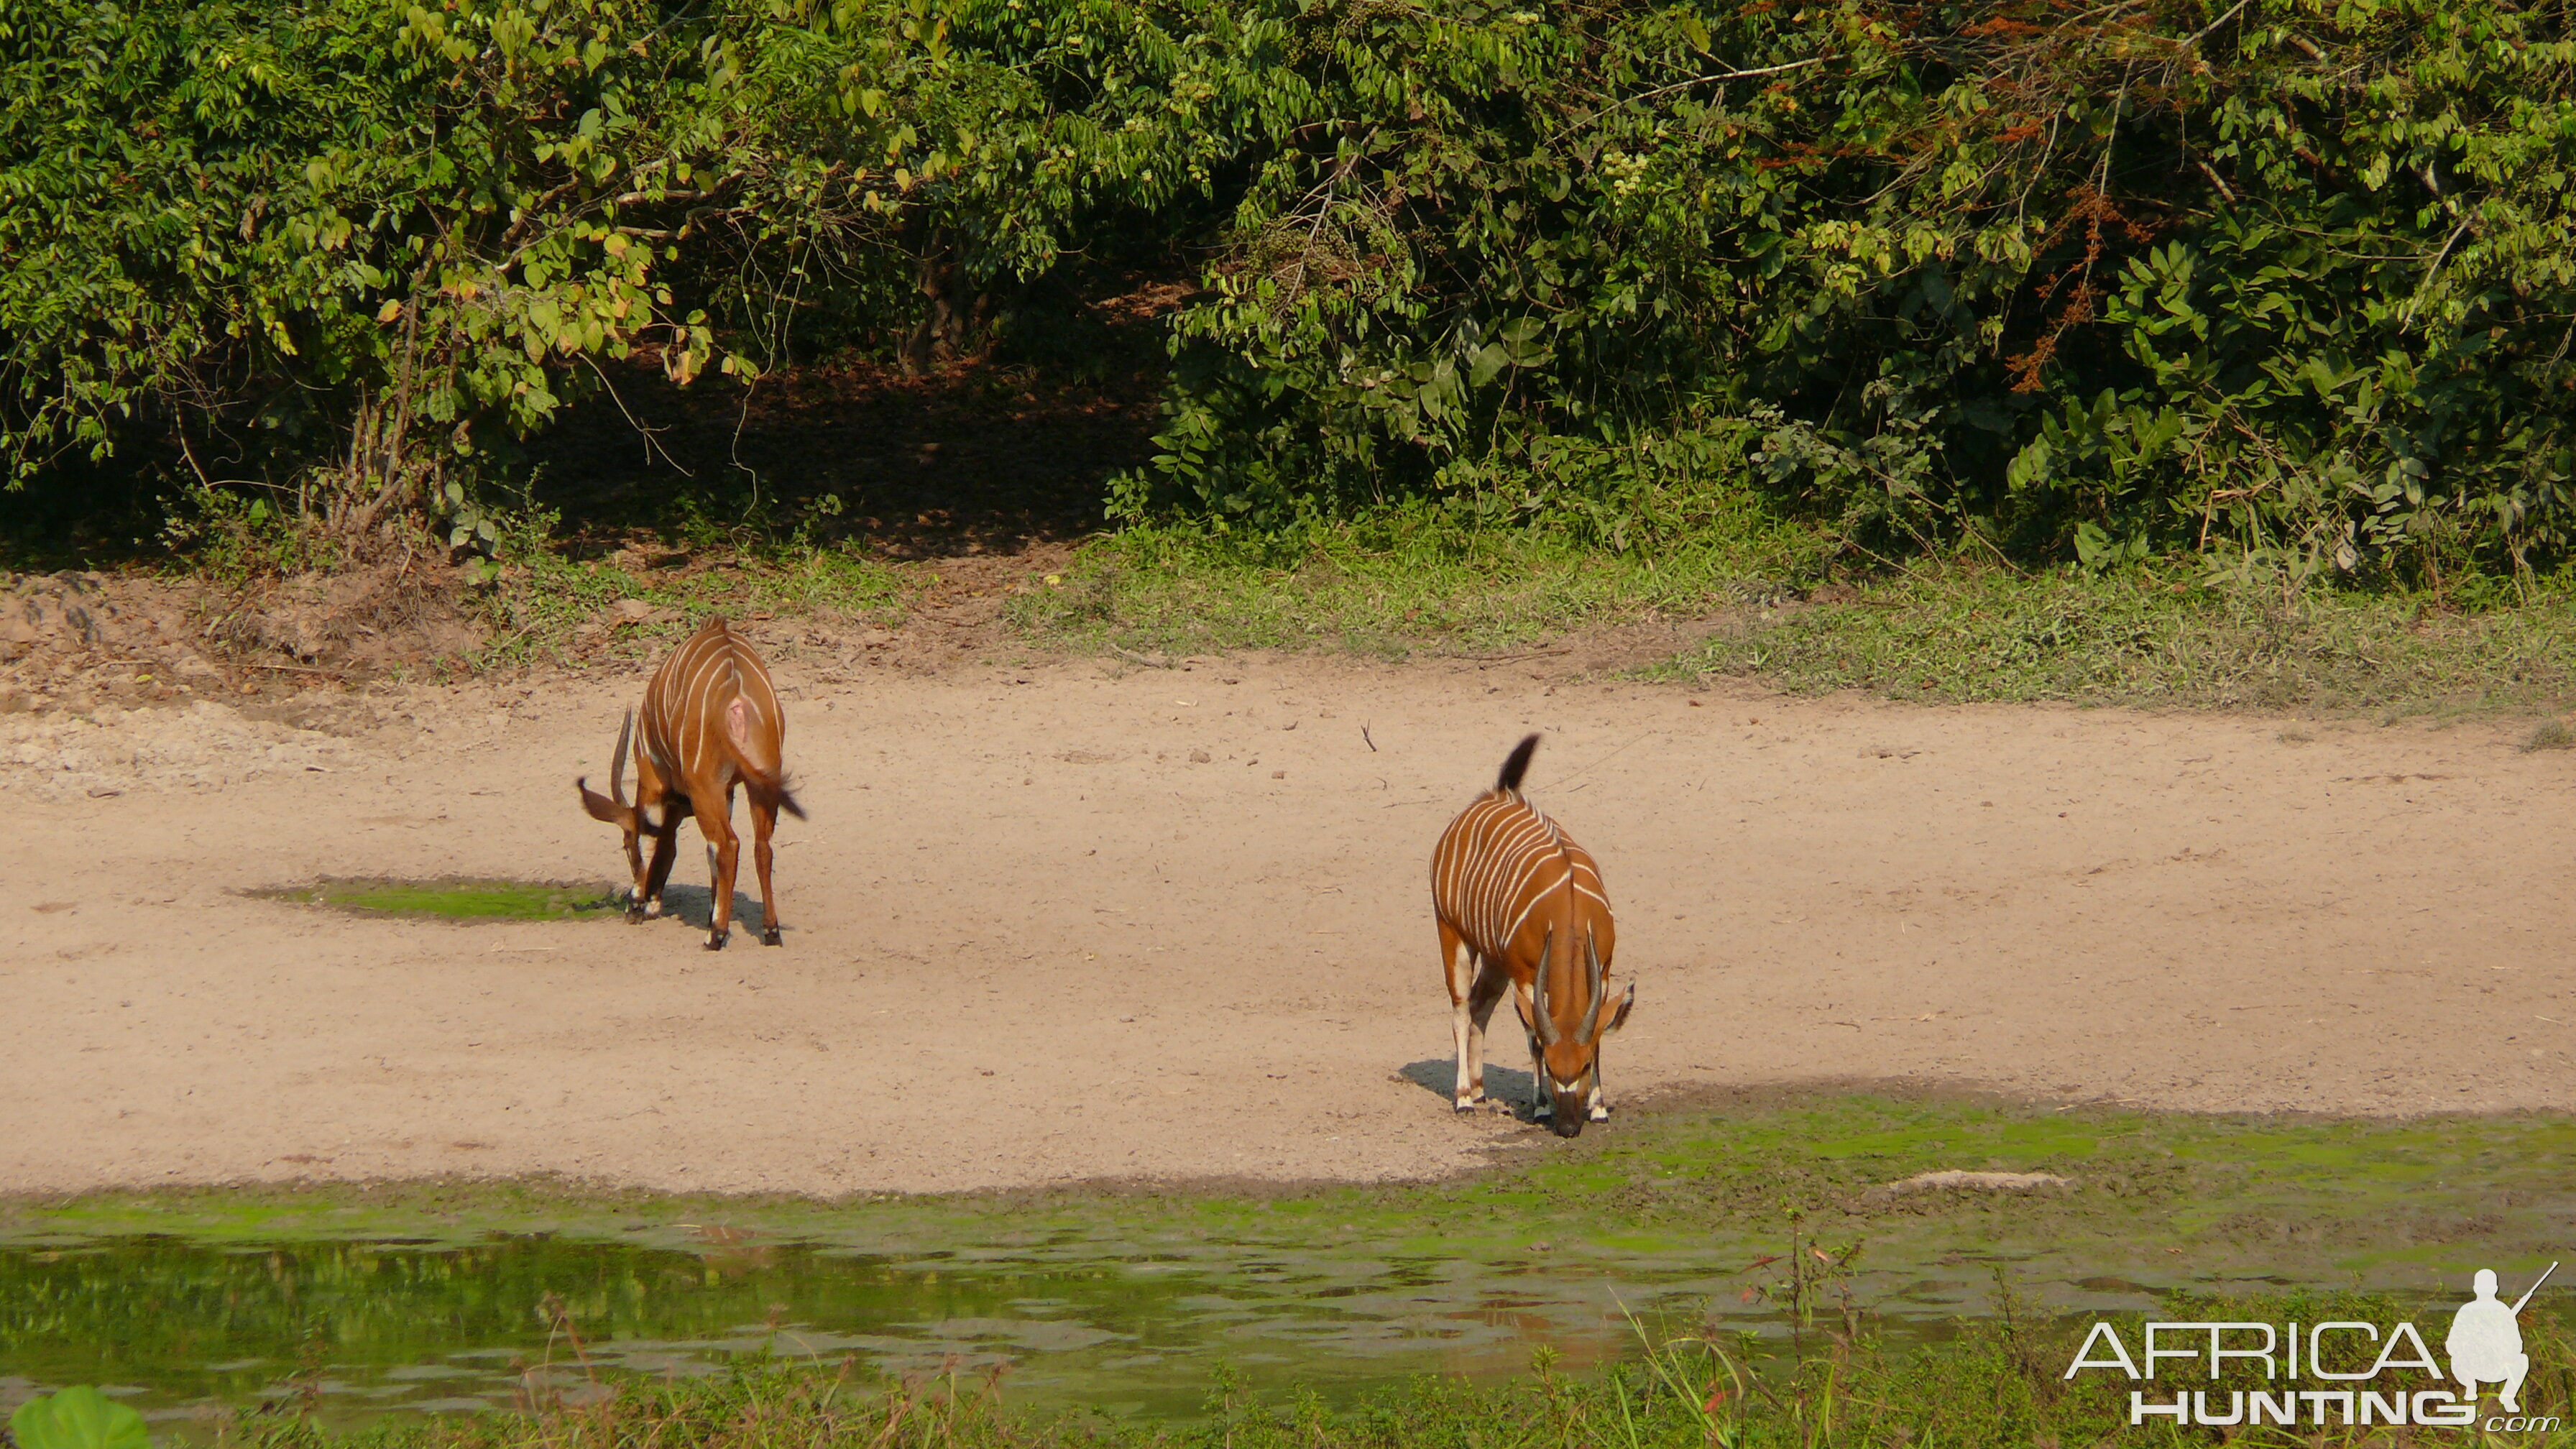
x: 455, y: 900
x: 432, y: 1296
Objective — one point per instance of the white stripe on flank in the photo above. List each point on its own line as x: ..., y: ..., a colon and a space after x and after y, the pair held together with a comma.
x: 1505, y: 877
x: 685, y: 704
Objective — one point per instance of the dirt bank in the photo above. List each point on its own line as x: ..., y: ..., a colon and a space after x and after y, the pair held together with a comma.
x: 1071, y: 920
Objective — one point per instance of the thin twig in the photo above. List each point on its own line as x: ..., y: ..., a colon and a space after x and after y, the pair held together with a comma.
x: 2435, y: 270
x: 1724, y: 75
x: 191, y: 455
x: 2198, y: 35
x: 1605, y: 759
x: 652, y: 444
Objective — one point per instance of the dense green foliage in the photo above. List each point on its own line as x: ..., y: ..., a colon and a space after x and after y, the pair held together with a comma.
x: 343, y: 232
x: 2288, y: 281
x: 285, y: 233
x: 2291, y: 276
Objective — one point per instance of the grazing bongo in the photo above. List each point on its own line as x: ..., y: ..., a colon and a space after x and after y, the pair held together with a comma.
x: 711, y: 722
x: 1520, y: 904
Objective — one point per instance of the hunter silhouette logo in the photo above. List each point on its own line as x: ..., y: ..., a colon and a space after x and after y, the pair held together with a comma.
x: 2486, y: 1341
x: 2362, y: 1374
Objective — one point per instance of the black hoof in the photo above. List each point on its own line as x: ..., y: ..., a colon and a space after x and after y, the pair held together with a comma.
x: 769, y: 937
x: 717, y: 943
x: 634, y: 915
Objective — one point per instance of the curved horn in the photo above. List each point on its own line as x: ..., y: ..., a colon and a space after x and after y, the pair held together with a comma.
x: 1545, y: 1024
x: 1597, y: 984
x: 617, y: 762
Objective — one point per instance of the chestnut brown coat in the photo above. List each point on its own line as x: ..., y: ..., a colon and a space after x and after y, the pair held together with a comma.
x: 711, y: 722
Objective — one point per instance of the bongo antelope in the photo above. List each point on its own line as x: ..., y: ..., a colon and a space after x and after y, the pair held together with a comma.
x: 711, y: 722
x: 1520, y: 904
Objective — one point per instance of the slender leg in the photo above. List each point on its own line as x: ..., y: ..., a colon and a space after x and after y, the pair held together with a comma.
x: 635, y: 874
x: 1600, y: 1109
x: 635, y: 860
x: 1458, y: 965
x: 1542, y: 1101
x: 724, y: 852
x: 764, y: 818
x: 1491, y: 982
x: 648, y: 808
x: 666, y: 843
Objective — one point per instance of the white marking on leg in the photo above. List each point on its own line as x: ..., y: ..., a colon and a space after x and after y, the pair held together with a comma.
x: 1462, y: 1089
x: 1462, y: 1095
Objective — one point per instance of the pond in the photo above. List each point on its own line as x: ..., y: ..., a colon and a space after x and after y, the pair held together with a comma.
x: 374, y: 1326
x: 367, y: 1301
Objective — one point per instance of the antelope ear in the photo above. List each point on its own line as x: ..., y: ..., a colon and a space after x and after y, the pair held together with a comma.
x: 1619, y: 1018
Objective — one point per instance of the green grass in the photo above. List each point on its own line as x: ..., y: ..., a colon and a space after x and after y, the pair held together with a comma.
x: 1971, y: 633
x: 1390, y: 584
x: 1789, y: 612
x: 1949, y: 630
x: 1998, y: 1384
x: 547, y: 607
x: 458, y: 900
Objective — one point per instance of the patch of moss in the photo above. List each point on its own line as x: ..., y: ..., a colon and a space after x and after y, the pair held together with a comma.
x: 455, y: 900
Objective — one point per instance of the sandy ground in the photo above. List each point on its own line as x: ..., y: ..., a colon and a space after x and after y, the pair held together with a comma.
x: 1073, y: 921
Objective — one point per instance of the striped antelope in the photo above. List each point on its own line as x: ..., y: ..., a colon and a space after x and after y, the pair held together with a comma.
x: 1520, y: 904
x: 711, y: 722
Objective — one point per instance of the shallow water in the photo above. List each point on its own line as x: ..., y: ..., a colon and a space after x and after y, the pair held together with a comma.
x: 372, y: 1327
x: 375, y: 1327
x: 430, y: 1299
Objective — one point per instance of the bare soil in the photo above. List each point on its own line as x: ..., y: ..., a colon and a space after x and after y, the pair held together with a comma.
x: 1066, y: 920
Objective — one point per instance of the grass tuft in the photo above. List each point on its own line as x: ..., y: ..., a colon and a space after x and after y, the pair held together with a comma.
x: 544, y: 606
x: 1389, y: 584
x: 1958, y: 630
x: 1969, y: 634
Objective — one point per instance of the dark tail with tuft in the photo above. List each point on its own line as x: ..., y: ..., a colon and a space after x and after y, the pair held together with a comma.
x: 787, y: 797
x: 1516, y: 765
x: 779, y: 788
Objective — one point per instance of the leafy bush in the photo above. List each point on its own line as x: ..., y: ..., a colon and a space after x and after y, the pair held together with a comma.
x: 2288, y: 281
x: 348, y: 231
x: 2289, y: 277
x: 334, y: 228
